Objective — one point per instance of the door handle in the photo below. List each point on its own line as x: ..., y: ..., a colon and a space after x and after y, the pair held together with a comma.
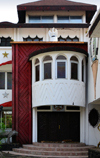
x: 59, y: 126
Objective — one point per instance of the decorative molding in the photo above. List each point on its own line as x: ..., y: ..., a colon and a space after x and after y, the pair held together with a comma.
x: 5, y: 55
x: 32, y: 39
x: 5, y: 63
x: 94, y: 70
x: 75, y: 39
x: 93, y: 117
x: 5, y: 95
x: 7, y: 104
x: 98, y: 127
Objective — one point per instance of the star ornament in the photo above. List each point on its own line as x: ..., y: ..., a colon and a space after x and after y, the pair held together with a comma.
x: 5, y: 95
x: 5, y: 55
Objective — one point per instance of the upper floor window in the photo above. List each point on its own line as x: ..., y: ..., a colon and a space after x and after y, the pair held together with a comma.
x: 75, y: 39
x: 41, y: 19
x: 5, y: 41
x: 37, y: 69
x: 74, y: 68
x: 69, y: 19
x: 47, y: 67
x: 32, y: 39
x: 61, y: 66
x: 5, y: 80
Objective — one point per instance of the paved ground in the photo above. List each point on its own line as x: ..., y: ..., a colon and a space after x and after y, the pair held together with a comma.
x: 12, y: 156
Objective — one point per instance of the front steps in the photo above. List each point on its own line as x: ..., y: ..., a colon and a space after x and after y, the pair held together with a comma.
x: 53, y: 150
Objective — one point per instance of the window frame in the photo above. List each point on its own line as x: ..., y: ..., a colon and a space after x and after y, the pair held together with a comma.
x: 75, y: 62
x: 61, y: 60
x: 38, y: 64
x: 41, y: 18
x: 45, y: 62
x: 69, y: 19
x: 1, y: 116
x: 6, y: 81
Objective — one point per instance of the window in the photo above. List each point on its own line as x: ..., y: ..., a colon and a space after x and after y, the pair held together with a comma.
x: 74, y: 68
x: 47, y: 67
x: 83, y: 70
x: 37, y: 70
x: 41, y: 19
x: 61, y: 66
x: 32, y: 39
x: 69, y: 39
x: 6, y: 118
x: 5, y: 41
x: 69, y: 19
x: 5, y: 80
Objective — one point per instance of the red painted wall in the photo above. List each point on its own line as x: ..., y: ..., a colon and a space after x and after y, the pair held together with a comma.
x: 21, y: 89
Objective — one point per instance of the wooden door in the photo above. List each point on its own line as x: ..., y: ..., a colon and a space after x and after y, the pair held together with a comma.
x: 58, y: 126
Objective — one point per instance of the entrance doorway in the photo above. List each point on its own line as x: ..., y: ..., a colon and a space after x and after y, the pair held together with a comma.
x: 58, y: 126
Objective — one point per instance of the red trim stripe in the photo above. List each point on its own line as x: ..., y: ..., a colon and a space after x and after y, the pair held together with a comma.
x: 7, y: 104
x: 8, y: 62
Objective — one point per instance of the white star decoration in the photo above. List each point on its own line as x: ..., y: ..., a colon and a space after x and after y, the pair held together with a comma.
x: 5, y: 95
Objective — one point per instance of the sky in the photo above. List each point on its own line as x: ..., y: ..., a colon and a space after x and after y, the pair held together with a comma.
x: 8, y: 8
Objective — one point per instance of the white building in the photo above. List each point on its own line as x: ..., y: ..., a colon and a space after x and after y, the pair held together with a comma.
x: 48, y: 61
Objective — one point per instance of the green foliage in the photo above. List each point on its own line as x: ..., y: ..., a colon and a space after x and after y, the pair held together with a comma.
x: 2, y: 128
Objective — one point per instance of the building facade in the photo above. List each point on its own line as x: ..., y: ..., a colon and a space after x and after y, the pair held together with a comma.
x: 43, y: 71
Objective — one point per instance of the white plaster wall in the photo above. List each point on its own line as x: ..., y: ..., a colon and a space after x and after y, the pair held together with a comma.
x: 5, y: 32
x: 93, y: 133
x: 91, y: 81
x: 9, y: 56
x: 58, y: 91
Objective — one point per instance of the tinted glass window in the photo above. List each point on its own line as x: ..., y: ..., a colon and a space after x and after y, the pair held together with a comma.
x: 2, y: 80
x: 60, y: 69
x: 74, y: 71
x: 9, y: 80
x: 75, y: 19
x: 47, y: 19
x: 47, y: 70
x: 34, y: 19
x: 37, y: 72
x: 63, y: 19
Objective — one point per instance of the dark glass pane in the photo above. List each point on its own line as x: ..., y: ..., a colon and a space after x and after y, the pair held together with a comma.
x: 72, y: 108
x: 60, y: 39
x: 60, y: 69
x: 63, y: 19
x: 82, y: 71
x: 2, y: 80
x: 29, y: 39
x: 74, y: 58
x: 36, y: 39
x: 75, y: 39
x: 74, y: 71
x: 34, y: 19
x: 47, y: 71
x: 43, y: 108
x: 9, y: 80
x: 47, y: 19
x: 75, y: 19
x: 37, y: 72
x: 47, y: 58
x: 61, y: 57
x: 69, y: 39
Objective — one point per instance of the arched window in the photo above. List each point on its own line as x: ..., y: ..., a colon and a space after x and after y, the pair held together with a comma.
x: 61, y: 66
x: 74, y: 68
x: 37, y: 70
x: 47, y: 67
x: 83, y: 70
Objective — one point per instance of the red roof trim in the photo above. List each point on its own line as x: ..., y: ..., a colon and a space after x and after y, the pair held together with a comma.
x: 8, y: 62
x: 7, y: 104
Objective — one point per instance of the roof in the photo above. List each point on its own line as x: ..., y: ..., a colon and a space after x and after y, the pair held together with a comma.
x: 94, y: 30
x: 42, y: 25
x: 56, y: 5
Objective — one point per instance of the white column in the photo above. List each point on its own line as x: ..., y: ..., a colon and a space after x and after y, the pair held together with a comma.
x: 46, y: 35
x: 15, y: 34
x: 80, y: 70
x: 34, y: 125
x: 53, y: 68
x: 68, y: 68
x: 82, y: 124
x: 41, y: 70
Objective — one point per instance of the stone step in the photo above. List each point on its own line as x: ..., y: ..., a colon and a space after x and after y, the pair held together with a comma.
x: 39, y: 156
x: 59, y: 144
x: 40, y: 148
x: 51, y: 153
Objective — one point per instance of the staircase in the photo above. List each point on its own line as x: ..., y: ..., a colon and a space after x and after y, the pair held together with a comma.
x: 53, y: 150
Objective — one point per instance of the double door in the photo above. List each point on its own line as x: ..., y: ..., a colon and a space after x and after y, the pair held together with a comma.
x: 58, y: 126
